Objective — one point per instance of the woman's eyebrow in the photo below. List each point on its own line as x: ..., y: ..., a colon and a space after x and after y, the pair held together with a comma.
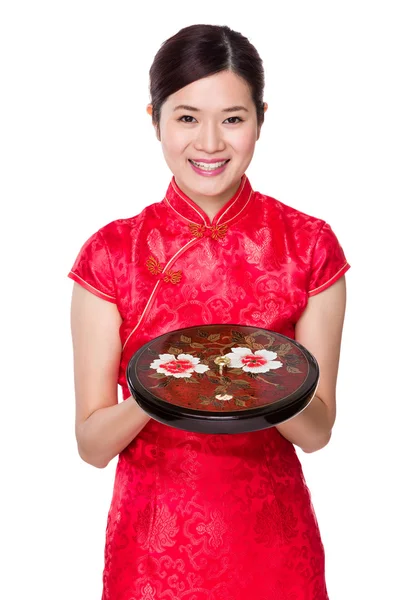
x: 193, y: 109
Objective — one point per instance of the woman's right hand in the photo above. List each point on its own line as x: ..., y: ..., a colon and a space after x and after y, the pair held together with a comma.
x: 103, y: 427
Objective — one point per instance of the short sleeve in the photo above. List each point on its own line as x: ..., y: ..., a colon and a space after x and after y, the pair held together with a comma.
x: 92, y: 268
x: 328, y: 261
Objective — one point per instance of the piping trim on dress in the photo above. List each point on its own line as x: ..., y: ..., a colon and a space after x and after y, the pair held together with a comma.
x: 151, y: 297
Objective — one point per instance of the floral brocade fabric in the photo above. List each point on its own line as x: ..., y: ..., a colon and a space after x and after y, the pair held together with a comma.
x: 199, y: 516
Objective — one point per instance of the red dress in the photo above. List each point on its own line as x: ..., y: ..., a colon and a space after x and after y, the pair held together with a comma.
x: 197, y: 516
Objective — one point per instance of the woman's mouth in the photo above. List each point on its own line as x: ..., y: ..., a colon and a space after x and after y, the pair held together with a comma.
x: 208, y: 169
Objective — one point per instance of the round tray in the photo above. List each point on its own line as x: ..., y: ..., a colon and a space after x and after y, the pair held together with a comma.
x: 222, y: 378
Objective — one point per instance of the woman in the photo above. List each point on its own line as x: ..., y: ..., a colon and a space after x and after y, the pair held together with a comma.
x: 196, y: 516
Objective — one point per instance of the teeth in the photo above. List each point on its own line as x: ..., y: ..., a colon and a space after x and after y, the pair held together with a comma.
x: 209, y: 167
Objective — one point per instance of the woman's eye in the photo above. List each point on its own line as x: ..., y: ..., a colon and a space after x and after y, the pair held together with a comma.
x: 186, y: 117
x: 229, y: 118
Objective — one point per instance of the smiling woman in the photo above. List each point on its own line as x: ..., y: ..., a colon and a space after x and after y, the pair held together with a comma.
x: 202, y: 134
x: 207, y: 107
x: 195, y: 515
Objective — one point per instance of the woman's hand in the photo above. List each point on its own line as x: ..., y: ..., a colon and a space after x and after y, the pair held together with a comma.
x: 319, y: 329
x: 103, y: 427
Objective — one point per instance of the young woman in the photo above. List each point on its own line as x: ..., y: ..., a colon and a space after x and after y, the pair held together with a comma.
x: 196, y: 516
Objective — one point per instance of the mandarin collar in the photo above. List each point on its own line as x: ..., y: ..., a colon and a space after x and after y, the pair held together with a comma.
x: 186, y: 208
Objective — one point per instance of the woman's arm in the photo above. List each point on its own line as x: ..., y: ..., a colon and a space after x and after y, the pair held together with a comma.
x: 319, y: 329
x: 103, y: 426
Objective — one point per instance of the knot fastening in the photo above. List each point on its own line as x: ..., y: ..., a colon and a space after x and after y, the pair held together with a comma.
x: 215, y: 232
x: 156, y: 268
x: 154, y: 265
x: 197, y: 230
x: 172, y: 276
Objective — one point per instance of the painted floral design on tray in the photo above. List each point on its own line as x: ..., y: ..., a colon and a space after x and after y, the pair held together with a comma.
x: 257, y: 368
x: 260, y: 361
x: 182, y: 365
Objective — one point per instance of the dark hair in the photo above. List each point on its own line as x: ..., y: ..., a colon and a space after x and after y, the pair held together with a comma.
x: 199, y: 51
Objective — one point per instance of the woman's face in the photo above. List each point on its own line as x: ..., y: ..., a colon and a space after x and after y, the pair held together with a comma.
x: 213, y: 119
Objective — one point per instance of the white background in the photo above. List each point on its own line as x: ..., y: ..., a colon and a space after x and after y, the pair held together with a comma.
x: 78, y: 150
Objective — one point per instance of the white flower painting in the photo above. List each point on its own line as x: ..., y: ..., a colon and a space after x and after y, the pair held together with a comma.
x: 182, y: 365
x: 260, y: 361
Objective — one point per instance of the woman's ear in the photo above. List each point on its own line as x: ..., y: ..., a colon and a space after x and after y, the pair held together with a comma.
x: 149, y: 110
x: 259, y: 128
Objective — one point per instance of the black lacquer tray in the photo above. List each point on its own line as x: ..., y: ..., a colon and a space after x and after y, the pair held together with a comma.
x: 222, y: 378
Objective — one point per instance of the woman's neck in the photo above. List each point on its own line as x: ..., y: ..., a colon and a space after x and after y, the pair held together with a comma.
x: 210, y: 205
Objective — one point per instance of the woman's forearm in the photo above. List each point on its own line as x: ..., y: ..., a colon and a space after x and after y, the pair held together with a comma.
x: 109, y: 430
x: 310, y: 429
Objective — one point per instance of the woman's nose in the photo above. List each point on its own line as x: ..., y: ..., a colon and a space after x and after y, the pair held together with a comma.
x: 209, y: 138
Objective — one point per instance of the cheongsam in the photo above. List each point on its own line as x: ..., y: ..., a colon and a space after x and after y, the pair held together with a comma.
x: 200, y: 516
